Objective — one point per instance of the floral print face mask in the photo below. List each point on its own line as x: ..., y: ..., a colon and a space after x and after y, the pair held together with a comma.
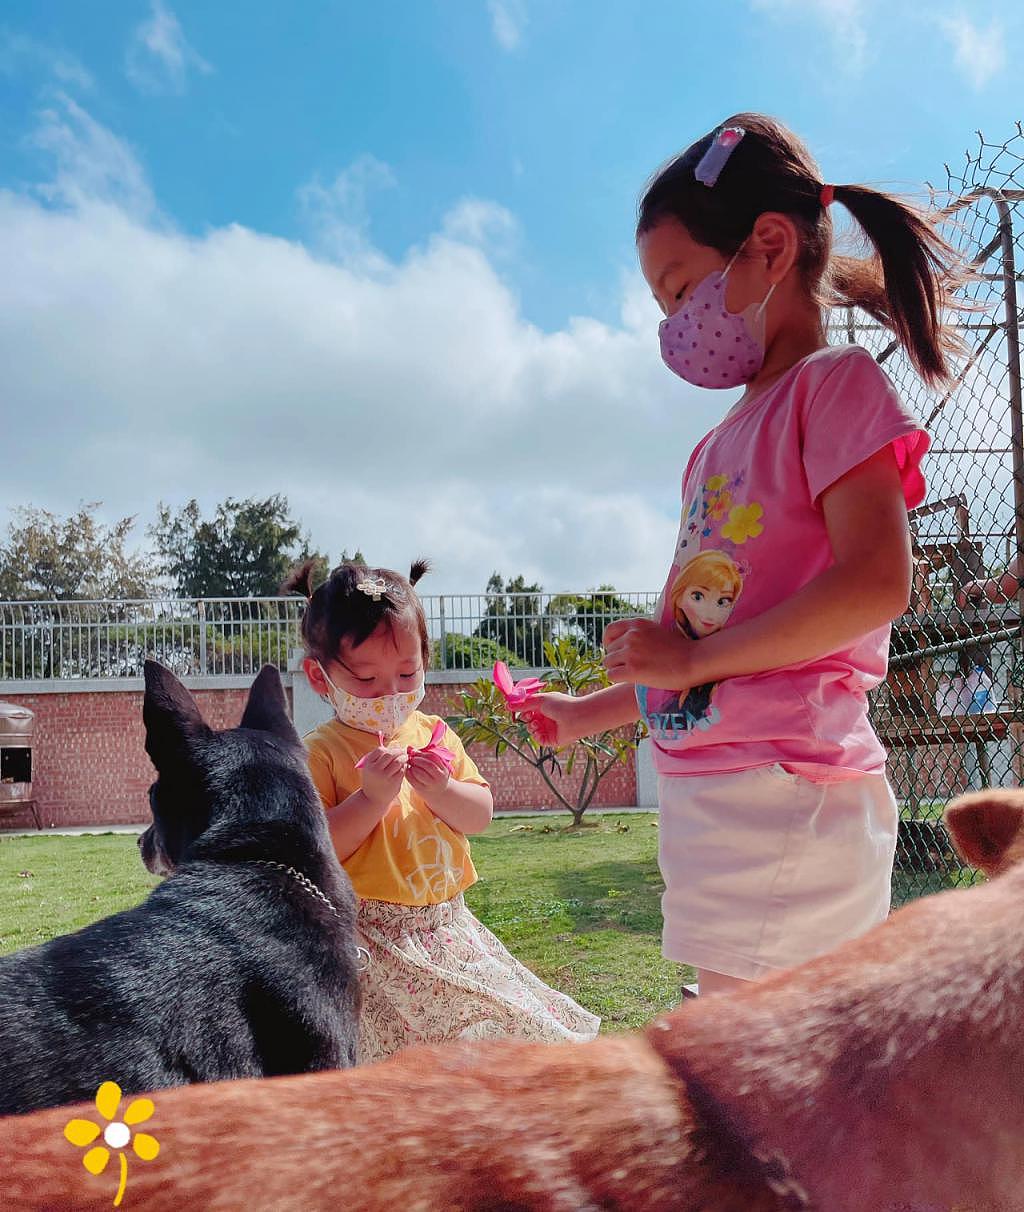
x: 385, y: 714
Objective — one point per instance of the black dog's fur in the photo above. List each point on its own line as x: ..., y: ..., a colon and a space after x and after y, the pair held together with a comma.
x: 228, y: 969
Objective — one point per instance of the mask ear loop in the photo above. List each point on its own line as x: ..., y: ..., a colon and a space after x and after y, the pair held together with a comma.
x: 732, y: 259
x: 764, y: 304
x: 327, y: 678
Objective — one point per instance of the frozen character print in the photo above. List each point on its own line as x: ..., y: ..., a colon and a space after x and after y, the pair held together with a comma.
x: 702, y: 598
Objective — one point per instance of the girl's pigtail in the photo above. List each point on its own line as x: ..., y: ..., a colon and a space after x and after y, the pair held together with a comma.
x: 300, y: 580
x: 909, y: 282
x: 419, y: 569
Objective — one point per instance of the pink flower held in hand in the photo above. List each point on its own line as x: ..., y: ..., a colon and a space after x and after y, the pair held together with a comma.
x: 543, y: 730
x: 434, y: 749
x: 516, y: 696
x: 366, y: 756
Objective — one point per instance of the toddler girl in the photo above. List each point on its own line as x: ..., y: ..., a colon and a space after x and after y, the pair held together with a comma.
x: 401, y: 793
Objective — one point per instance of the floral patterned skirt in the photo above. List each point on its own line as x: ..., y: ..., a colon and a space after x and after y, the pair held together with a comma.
x: 436, y: 973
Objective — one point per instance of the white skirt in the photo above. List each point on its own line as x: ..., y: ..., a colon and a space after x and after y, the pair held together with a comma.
x: 436, y: 973
x: 764, y: 869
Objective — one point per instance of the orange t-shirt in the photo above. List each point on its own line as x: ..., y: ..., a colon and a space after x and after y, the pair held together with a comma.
x: 412, y: 857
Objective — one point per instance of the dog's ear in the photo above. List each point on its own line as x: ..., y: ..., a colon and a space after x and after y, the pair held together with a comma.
x: 988, y: 828
x: 170, y: 715
x: 267, y: 708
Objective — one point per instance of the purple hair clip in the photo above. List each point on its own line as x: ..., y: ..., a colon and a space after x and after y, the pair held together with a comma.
x: 717, y: 156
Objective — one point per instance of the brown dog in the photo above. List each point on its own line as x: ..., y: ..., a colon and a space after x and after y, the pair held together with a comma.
x: 886, y: 1077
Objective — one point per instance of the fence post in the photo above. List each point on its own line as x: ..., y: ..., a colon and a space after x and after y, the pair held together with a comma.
x: 201, y: 610
x: 1009, y: 271
x: 1013, y: 369
x: 444, y: 635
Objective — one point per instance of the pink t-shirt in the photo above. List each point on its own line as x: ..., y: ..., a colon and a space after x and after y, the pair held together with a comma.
x: 752, y: 533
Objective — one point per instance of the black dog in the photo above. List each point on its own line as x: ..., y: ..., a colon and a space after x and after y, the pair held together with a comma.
x: 241, y: 964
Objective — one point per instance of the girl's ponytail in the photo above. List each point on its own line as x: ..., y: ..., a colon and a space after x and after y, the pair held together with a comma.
x: 907, y: 284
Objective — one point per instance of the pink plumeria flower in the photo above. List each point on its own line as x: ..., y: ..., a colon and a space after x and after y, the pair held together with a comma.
x: 516, y: 696
x: 434, y: 749
x: 366, y: 756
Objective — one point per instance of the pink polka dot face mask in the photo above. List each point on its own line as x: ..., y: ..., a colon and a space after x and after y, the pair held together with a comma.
x: 708, y: 345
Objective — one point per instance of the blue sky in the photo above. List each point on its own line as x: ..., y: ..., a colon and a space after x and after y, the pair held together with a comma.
x: 242, y: 234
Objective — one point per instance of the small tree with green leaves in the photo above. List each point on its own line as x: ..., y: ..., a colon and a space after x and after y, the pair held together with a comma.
x: 484, y: 718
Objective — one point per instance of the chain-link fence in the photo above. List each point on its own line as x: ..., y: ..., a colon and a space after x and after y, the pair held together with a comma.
x: 950, y: 710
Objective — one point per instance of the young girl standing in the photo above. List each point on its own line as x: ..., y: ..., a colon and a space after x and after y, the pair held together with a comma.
x: 777, y: 826
x: 401, y: 793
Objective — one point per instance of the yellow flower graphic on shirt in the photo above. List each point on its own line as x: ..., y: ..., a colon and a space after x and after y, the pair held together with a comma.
x: 716, y: 483
x: 116, y: 1134
x: 744, y: 523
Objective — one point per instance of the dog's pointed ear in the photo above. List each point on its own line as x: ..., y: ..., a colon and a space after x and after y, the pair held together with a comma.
x: 988, y: 828
x: 267, y: 708
x: 170, y: 715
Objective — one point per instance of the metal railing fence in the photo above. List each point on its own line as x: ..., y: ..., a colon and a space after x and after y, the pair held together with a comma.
x: 237, y: 636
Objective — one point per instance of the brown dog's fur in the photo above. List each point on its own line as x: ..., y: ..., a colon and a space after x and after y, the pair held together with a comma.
x: 886, y: 1077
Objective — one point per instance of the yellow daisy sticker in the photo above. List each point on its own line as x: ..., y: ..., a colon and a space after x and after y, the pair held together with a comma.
x: 117, y: 1134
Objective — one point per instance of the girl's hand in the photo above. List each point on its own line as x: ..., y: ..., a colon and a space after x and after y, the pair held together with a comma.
x: 383, y: 770
x: 427, y: 774
x: 555, y: 719
x: 640, y: 650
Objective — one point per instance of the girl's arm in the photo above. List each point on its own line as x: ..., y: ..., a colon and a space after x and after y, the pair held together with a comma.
x: 465, y: 807
x: 353, y: 820
x: 866, y: 587
x: 562, y: 719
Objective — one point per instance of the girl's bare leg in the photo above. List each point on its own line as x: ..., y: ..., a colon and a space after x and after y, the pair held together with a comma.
x: 715, y: 982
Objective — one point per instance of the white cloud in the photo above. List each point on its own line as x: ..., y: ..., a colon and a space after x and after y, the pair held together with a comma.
x: 979, y: 54
x: 403, y: 405
x: 844, y: 20
x: 337, y: 215
x: 483, y: 224
x: 90, y: 162
x: 159, y: 56
x: 19, y: 52
x: 508, y: 19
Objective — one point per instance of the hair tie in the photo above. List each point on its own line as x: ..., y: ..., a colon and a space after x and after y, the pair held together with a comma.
x: 827, y: 195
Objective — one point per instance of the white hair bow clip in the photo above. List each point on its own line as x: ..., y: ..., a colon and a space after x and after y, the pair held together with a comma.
x: 373, y: 587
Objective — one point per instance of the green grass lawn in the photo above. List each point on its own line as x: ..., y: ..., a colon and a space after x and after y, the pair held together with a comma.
x: 580, y: 908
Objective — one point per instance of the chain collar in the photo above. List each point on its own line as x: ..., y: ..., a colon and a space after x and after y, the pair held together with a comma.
x: 313, y: 890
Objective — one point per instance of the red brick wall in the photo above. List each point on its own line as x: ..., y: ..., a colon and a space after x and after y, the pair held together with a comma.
x: 90, y: 766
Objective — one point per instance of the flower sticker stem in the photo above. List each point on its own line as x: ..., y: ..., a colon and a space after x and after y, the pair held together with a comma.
x: 116, y: 1135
